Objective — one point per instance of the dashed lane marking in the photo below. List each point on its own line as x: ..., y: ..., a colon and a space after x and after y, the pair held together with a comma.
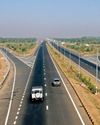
x: 20, y: 105
x: 21, y: 102
x: 44, y: 73
x: 16, y: 117
x: 47, y: 107
x: 45, y: 85
x: 44, y: 78
x: 21, y: 99
x: 46, y: 94
x: 18, y: 109
x: 14, y: 122
x: 22, y: 96
x: 17, y: 113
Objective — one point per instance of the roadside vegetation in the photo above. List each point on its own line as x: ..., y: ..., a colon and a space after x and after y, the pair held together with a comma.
x: 86, y: 45
x: 87, y: 82
x: 83, y: 83
x: 19, y: 46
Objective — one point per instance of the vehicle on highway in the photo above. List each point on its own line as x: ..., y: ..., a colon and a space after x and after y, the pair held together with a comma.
x: 37, y: 93
x: 56, y: 82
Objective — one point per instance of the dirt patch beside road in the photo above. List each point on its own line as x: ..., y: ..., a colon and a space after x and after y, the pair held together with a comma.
x: 3, y: 66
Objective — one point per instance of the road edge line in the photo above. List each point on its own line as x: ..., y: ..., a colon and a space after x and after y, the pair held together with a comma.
x: 11, y: 97
x: 27, y: 82
x: 68, y: 92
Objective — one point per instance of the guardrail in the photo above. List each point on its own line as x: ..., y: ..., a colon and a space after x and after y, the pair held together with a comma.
x: 87, y: 65
x: 8, y: 70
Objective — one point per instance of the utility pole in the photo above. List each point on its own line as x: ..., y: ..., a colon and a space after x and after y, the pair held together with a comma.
x: 79, y: 60
x: 64, y: 55
x: 70, y: 57
x: 79, y: 65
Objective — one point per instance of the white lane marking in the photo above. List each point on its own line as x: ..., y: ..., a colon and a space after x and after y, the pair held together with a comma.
x: 44, y: 73
x: 21, y: 101
x: 46, y: 94
x: 23, y: 96
x: 44, y: 70
x: 44, y: 78
x: 20, y: 105
x: 18, y: 109
x: 45, y: 85
x: 18, y: 113
x: 47, y: 107
x: 14, y: 122
x: 16, y: 117
x: 68, y: 93
x: 11, y: 98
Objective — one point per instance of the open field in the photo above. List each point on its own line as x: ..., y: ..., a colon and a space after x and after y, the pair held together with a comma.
x: 70, y: 69
x: 19, y: 46
x: 84, y: 46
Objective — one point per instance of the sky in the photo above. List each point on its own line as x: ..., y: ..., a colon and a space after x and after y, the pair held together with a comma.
x: 49, y: 18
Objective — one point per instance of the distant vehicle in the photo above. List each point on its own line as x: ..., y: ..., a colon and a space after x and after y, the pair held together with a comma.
x: 56, y: 82
x: 37, y: 93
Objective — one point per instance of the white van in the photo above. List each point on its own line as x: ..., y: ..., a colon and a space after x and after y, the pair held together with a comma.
x: 37, y: 93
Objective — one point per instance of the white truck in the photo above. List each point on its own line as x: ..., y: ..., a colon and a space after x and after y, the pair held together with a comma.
x: 37, y: 93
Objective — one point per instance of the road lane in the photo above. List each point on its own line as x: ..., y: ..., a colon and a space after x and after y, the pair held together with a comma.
x: 61, y: 110
x: 33, y: 112
x: 22, y: 74
x: 57, y: 108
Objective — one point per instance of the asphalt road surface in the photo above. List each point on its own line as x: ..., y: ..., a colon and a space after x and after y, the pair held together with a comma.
x: 57, y: 108
x: 22, y: 74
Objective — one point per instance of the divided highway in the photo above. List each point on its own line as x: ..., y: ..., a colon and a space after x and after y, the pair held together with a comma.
x: 57, y: 108
x: 89, y: 66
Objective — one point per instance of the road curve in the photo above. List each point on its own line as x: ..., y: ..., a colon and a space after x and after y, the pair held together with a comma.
x: 22, y: 74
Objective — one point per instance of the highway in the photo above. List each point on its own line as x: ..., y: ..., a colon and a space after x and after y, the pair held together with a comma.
x: 84, y: 63
x: 58, y: 108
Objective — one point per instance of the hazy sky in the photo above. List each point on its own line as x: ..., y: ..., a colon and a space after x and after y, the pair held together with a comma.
x: 49, y: 18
